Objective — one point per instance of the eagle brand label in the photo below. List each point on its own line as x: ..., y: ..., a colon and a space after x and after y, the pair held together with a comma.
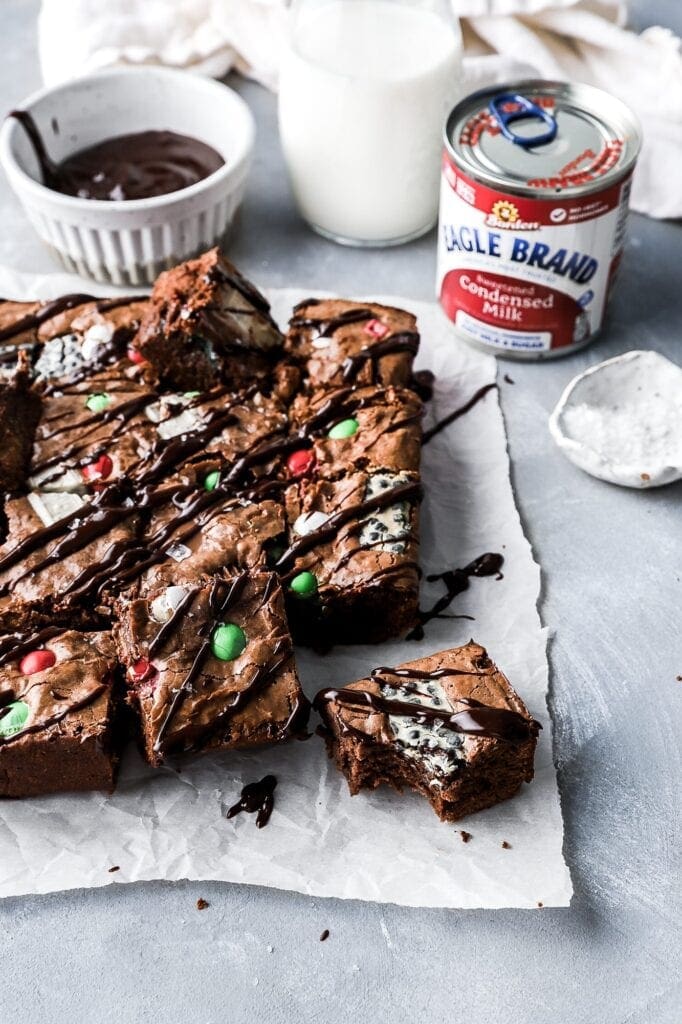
x: 522, y: 274
x: 534, y: 202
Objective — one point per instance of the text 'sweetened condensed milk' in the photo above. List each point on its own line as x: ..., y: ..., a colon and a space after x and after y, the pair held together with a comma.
x: 534, y: 203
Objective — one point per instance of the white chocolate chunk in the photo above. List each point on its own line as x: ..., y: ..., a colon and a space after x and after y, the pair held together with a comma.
x: 96, y: 341
x: 163, y: 606
x: 49, y: 507
x: 178, y: 552
x: 171, y: 423
x: 308, y: 522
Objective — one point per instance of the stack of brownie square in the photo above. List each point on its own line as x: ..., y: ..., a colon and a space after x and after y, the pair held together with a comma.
x: 186, y: 491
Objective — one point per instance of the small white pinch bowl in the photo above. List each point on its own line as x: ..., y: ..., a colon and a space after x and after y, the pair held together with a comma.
x: 130, y: 242
x: 621, y: 420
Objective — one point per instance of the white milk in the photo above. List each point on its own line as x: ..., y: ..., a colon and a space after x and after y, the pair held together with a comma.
x: 364, y: 90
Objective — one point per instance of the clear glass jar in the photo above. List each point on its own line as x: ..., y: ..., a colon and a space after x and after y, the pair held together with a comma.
x: 364, y: 90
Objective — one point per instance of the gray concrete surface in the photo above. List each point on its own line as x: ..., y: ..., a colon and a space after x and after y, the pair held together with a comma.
x: 612, y: 564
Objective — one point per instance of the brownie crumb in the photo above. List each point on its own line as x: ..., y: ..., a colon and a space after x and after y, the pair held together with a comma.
x: 325, y: 935
x: 115, y: 868
x: 466, y: 836
x: 679, y: 679
x: 508, y: 379
x: 202, y: 904
x: 506, y: 845
x: 645, y: 476
x: 540, y: 904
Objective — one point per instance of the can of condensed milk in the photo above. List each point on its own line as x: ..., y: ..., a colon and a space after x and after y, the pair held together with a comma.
x: 533, y: 211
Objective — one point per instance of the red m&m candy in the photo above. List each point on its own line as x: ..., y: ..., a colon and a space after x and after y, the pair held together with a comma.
x: 301, y: 462
x: 98, y: 470
x: 135, y: 356
x: 141, y: 670
x: 36, y: 661
x: 376, y: 328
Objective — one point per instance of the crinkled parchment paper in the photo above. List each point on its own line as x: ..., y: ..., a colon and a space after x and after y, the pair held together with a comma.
x: 378, y: 846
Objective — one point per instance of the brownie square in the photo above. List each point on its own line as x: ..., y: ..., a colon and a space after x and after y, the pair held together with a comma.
x: 196, y: 534
x: 364, y: 428
x: 449, y: 726
x: 63, y: 570
x: 91, y: 435
x: 207, y: 323
x: 350, y: 572
x: 210, y: 666
x: 82, y: 339
x: 338, y: 342
x: 57, y: 713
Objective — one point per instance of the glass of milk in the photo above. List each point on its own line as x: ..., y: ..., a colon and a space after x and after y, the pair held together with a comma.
x: 364, y: 90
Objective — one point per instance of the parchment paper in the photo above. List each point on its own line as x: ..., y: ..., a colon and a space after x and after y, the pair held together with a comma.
x: 380, y: 846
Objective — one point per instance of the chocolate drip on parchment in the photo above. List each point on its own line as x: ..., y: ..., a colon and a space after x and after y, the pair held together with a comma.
x: 456, y: 582
x: 256, y: 798
x: 462, y: 411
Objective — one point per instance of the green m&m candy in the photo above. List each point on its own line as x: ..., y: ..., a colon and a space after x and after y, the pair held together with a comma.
x: 13, y: 718
x: 346, y: 428
x: 304, y: 584
x: 211, y: 480
x: 228, y: 641
x: 98, y: 402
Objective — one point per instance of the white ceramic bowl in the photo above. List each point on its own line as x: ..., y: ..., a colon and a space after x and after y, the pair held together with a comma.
x: 130, y: 242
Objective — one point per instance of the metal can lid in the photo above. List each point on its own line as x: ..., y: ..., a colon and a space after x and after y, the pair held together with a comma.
x: 539, y: 137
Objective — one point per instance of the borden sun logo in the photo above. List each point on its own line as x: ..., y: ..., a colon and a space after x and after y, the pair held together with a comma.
x: 504, y: 214
x: 504, y: 211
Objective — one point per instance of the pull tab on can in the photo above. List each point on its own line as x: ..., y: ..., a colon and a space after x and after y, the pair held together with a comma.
x: 524, y: 109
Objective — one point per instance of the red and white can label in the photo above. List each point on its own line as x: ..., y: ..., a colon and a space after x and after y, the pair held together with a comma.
x: 521, y: 274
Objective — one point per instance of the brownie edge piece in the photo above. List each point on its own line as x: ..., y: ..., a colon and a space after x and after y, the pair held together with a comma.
x: 205, y: 322
x: 449, y: 726
x: 57, y: 713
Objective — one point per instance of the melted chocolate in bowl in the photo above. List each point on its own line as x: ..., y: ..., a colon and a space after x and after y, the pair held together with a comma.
x: 137, y: 166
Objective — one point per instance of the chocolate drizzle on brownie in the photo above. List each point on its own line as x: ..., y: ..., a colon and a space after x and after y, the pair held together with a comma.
x: 402, y: 492
x: 474, y: 719
x: 44, y: 313
x: 406, y: 341
x: 224, y: 594
x: 256, y: 798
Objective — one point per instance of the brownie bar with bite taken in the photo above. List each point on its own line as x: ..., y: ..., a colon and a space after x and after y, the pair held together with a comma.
x: 210, y: 666
x: 207, y: 323
x: 449, y: 726
x: 57, y: 712
x: 340, y: 343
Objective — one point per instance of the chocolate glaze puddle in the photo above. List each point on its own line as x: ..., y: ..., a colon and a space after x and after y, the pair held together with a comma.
x: 135, y: 166
x: 456, y: 582
x: 256, y: 798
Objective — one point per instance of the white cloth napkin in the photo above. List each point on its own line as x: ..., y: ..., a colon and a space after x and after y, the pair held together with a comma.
x: 576, y: 40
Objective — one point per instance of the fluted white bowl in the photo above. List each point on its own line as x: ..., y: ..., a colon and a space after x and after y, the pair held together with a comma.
x: 130, y: 242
